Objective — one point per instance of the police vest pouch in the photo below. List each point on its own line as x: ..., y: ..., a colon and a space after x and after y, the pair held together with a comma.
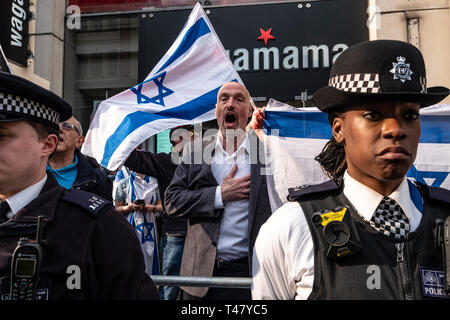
x: 338, y: 231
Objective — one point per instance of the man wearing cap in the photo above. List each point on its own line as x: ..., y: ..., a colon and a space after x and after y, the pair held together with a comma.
x: 71, y: 168
x: 88, y: 250
x: 368, y: 232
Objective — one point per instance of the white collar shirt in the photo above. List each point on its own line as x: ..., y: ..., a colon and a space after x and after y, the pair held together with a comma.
x: 283, y: 258
x: 233, y: 238
x: 24, y: 197
x: 366, y: 200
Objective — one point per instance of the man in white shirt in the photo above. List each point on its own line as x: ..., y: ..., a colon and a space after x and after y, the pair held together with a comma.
x: 367, y: 233
x: 224, y: 197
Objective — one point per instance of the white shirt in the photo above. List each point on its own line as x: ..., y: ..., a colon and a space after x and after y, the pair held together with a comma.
x: 283, y: 258
x: 24, y: 197
x: 233, y: 237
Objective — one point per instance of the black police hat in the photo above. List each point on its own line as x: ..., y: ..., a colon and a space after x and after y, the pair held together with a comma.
x: 377, y: 71
x: 22, y: 100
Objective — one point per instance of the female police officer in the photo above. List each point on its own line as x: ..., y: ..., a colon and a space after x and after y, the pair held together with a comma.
x: 84, y: 250
x: 367, y: 233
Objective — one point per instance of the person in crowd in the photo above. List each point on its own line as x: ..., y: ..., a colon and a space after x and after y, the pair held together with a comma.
x: 87, y: 250
x: 224, y: 198
x: 162, y: 166
x: 122, y: 200
x: 72, y: 169
x: 367, y: 233
x: 137, y: 198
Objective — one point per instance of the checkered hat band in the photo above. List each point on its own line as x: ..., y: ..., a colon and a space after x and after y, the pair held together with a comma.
x: 356, y: 82
x: 27, y: 107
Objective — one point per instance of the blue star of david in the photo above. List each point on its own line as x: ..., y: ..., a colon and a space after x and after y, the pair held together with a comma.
x: 146, y: 230
x: 162, y: 91
x: 420, y: 176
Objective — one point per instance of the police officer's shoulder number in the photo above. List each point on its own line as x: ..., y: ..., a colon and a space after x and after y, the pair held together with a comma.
x: 303, y: 191
x: 88, y: 201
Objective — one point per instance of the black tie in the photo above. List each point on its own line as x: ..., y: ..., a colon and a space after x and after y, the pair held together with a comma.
x: 4, y: 209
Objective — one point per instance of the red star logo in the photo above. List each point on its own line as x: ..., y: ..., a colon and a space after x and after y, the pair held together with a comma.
x: 265, y: 35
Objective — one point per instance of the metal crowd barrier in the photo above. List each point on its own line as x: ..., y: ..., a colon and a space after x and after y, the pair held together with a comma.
x: 217, y: 282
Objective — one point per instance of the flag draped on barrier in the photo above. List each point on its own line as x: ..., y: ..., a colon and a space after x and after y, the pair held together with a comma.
x: 181, y: 89
x: 295, y: 136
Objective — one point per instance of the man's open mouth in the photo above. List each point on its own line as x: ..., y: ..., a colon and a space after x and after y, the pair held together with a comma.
x: 230, y: 119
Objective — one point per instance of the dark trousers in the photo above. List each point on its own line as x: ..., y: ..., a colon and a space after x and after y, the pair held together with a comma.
x: 235, y: 268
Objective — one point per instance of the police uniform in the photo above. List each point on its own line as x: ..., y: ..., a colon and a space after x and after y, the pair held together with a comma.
x: 324, y: 244
x: 307, y: 272
x: 89, y: 250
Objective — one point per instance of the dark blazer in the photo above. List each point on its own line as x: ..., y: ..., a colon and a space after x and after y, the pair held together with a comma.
x: 192, y: 193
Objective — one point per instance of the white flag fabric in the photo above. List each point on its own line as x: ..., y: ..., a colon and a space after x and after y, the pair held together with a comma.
x: 295, y: 136
x: 181, y: 89
x: 144, y: 222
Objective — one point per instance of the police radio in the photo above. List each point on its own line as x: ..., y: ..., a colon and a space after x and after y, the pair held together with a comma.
x: 25, y: 266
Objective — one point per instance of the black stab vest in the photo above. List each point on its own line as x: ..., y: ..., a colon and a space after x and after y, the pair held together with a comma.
x: 380, y: 270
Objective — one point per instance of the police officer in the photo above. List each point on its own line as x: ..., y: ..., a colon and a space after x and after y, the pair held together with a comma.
x: 89, y: 251
x: 368, y: 232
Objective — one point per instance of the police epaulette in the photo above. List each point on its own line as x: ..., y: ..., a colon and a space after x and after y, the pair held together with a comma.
x: 439, y: 194
x: 297, y: 193
x: 89, y: 201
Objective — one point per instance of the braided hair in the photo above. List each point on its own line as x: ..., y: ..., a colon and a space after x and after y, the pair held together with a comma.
x: 332, y: 158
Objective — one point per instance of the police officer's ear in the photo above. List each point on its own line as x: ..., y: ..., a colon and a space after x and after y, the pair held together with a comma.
x: 337, y: 128
x: 49, y: 144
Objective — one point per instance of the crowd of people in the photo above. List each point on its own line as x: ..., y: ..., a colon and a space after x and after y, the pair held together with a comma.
x: 160, y: 214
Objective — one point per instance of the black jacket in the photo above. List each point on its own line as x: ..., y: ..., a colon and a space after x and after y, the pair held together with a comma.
x: 161, y: 167
x: 82, y: 230
x: 92, y: 179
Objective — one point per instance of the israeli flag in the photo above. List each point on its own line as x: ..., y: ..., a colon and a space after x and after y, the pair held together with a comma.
x: 293, y: 137
x: 144, y: 222
x: 181, y: 89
